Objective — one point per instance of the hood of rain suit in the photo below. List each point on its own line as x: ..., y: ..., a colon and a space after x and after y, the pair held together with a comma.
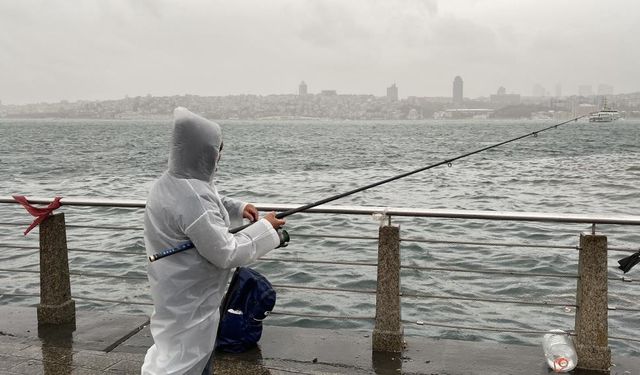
x: 195, y: 146
x: 187, y: 288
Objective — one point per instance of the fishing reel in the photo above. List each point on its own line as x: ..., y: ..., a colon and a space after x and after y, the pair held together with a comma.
x: 284, y: 237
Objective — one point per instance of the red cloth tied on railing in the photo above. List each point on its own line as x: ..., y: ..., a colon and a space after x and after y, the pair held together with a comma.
x: 39, y: 213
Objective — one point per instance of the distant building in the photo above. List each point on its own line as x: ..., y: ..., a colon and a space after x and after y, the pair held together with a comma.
x: 605, y: 89
x: 558, y: 90
x: 458, y: 113
x: 392, y: 93
x: 328, y: 92
x: 538, y: 90
x: 414, y: 114
x: 302, y: 88
x: 502, y: 99
x: 424, y: 100
x: 585, y: 90
x: 585, y: 109
x: 457, y: 92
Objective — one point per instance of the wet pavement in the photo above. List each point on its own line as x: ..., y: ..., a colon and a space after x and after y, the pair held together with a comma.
x: 115, y: 344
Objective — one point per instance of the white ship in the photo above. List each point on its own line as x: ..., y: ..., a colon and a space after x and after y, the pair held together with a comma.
x: 606, y: 114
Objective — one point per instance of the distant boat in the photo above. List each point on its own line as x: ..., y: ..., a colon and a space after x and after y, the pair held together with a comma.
x: 606, y: 114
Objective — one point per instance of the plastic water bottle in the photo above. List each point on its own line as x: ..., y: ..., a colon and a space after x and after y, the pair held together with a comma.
x: 559, y: 351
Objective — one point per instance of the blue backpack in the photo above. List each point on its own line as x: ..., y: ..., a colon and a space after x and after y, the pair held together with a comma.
x: 249, y: 300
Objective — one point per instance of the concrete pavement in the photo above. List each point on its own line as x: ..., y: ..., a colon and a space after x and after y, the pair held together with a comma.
x: 115, y: 344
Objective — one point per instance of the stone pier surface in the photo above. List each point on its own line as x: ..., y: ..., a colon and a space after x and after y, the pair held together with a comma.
x: 115, y: 344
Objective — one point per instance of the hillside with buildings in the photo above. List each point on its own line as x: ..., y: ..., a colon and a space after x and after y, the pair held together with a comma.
x: 329, y: 104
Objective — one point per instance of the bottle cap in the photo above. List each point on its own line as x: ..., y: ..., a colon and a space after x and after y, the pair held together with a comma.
x: 560, y: 363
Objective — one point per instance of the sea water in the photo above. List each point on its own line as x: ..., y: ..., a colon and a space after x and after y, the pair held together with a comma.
x: 579, y: 168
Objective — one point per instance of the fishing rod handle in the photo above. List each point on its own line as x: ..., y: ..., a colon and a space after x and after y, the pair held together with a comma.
x: 279, y: 215
x: 190, y: 245
x: 283, y: 235
x: 175, y: 250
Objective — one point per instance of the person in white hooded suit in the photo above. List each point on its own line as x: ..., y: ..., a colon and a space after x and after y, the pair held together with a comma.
x: 187, y: 288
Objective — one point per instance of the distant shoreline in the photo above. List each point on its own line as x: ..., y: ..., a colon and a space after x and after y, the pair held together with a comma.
x: 323, y: 107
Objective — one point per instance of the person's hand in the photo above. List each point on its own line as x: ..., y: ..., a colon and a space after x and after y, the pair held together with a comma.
x: 250, y: 212
x: 275, y: 222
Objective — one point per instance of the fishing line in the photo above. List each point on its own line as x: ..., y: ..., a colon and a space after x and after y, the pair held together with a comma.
x: 449, y: 162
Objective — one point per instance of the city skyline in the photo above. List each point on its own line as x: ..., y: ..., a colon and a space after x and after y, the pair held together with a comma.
x: 457, y: 96
x: 94, y: 50
x: 328, y: 104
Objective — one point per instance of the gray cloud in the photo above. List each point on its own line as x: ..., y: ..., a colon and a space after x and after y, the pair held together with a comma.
x: 93, y: 49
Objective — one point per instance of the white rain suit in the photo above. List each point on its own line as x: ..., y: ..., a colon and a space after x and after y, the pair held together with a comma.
x: 187, y: 288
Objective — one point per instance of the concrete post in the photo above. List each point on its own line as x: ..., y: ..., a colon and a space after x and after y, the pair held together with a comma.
x: 388, y: 332
x: 56, y: 305
x: 592, y: 340
x: 57, y: 348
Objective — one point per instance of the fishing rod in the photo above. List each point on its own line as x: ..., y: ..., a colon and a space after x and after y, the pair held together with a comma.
x: 281, y: 215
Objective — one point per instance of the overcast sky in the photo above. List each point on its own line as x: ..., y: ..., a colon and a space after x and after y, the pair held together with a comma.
x: 52, y: 50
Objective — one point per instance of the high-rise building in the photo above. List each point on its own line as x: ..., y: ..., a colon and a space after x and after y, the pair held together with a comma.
x: 457, y: 91
x: 302, y: 88
x: 392, y: 93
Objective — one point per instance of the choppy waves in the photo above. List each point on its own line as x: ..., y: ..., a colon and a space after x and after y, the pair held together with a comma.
x: 581, y: 169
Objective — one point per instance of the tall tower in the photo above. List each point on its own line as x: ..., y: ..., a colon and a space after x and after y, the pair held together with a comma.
x: 302, y: 88
x: 392, y: 93
x: 457, y: 91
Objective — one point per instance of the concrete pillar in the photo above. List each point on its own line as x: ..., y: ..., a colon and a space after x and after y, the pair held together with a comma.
x: 592, y: 340
x: 57, y: 348
x: 56, y: 305
x: 388, y: 332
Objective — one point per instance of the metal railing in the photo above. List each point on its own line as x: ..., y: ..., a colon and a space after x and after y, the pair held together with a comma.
x: 388, y: 332
x: 369, y: 210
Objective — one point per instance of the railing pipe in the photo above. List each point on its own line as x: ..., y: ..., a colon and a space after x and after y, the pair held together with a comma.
x: 368, y: 210
x: 591, y: 326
